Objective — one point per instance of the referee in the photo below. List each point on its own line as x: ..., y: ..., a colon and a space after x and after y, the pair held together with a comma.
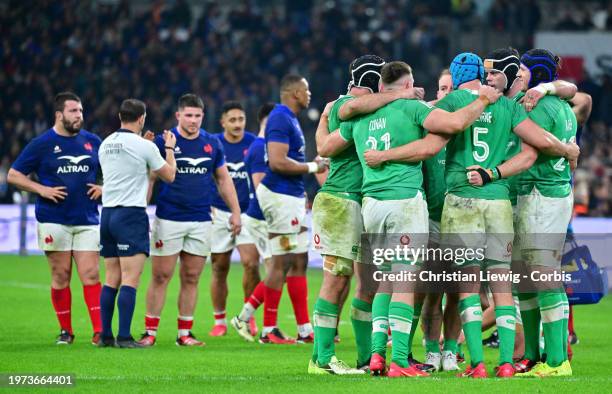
x: 125, y: 159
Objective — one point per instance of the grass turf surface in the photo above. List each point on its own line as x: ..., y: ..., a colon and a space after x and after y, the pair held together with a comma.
x: 28, y: 328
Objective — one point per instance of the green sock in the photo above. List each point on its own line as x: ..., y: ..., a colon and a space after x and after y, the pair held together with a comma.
x: 530, y: 314
x: 566, y: 311
x: 415, y: 325
x: 451, y: 345
x: 552, y: 310
x: 432, y: 346
x: 380, y: 323
x: 471, y: 320
x: 325, y: 322
x: 361, y: 319
x: 400, y: 320
x: 506, y: 329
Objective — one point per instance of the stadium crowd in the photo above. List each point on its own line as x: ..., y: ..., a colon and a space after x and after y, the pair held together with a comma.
x: 106, y: 51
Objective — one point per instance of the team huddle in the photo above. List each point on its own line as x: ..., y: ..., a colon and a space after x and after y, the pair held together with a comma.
x: 484, y: 164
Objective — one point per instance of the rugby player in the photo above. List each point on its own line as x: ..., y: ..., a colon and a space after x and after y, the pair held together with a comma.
x: 125, y: 159
x: 545, y: 206
x: 236, y: 142
x: 65, y: 159
x: 255, y: 224
x: 393, y: 202
x: 281, y: 197
x: 182, y: 225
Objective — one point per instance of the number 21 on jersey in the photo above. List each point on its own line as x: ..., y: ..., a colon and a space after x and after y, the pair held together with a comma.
x: 372, y: 142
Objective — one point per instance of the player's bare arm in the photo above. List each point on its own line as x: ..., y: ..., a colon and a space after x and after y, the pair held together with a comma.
x: 21, y: 181
x: 371, y: 102
x: 582, y: 104
x: 168, y: 171
x: 281, y: 163
x: 227, y: 191
x: 440, y: 121
x: 152, y: 180
x: 517, y: 164
x: 415, y: 151
x: 545, y: 142
x: 562, y: 89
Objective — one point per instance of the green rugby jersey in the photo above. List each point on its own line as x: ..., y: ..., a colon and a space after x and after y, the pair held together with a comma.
x: 551, y: 174
x: 396, y: 124
x: 484, y: 143
x: 435, y: 184
x: 345, y: 174
x: 514, y: 147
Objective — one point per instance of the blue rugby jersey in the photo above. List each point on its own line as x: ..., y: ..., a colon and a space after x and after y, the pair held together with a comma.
x: 255, y: 161
x: 188, y: 198
x: 234, y: 158
x: 283, y: 127
x: 64, y: 161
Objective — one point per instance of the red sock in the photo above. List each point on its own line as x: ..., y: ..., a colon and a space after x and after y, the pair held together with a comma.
x: 298, y: 292
x: 271, y: 301
x: 92, y: 300
x: 570, y: 322
x: 257, y: 297
x: 151, y: 323
x: 185, y: 323
x: 62, y: 303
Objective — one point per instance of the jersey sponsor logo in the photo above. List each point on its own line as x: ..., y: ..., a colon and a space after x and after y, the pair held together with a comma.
x: 486, y: 117
x: 177, y: 150
x: 74, y: 167
x: 234, y: 170
x: 193, y: 168
x: 208, y: 148
x: 57, y: 149
x: 88, y: 146
x: 377, y: 124
x: 405, y: 239
x: 123, y: 246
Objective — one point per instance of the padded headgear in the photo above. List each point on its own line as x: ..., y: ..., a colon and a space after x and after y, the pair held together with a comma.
x: 542, y: 64
x: 466, y: 67
x: 506, y: 61
x: 365, y: 72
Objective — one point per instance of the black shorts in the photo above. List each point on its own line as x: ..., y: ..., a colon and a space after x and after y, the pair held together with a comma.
x: 124, y: 231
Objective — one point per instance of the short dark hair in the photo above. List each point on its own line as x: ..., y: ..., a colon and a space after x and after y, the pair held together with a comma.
x: 60, y: 100
x: 190, y: 100
x: 230, y: 105
x: 289, y: 80
x: 393, y: 71
x: 264, y: 111
x: 131, y: 109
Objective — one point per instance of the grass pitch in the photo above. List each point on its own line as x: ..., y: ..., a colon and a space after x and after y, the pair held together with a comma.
x: 28, y: 328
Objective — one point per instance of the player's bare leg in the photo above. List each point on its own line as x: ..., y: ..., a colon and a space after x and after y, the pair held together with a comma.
x: 60, y: 264
x: 220, y: 263
x: 88, y: 268
x: 249, y: 257
x: 161, y: 272
x: 190, y: 271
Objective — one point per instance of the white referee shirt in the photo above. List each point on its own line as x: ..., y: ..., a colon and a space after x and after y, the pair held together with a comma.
x: 125, y: 159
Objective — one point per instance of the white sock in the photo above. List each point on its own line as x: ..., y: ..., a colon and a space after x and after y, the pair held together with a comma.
x: 267, y: 330
x: 220, y: 319
x: 247, y: 312
x: 152, y: 333
x: 304, y: 329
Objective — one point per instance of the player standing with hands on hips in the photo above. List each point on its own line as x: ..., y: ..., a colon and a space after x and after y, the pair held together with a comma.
x: 125, y: 159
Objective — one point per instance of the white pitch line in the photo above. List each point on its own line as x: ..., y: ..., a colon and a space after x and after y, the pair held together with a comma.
x: 24, y: 285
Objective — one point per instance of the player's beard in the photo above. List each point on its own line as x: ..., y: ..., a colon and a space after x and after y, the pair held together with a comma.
x: 72, y: 127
